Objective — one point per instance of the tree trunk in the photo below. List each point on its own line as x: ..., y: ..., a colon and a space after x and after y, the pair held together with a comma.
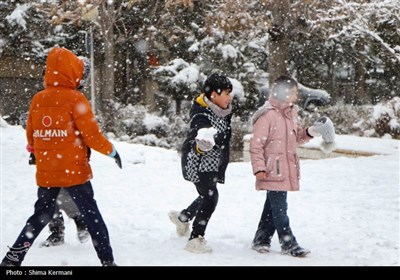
x: 178, y: 109
x: 278, y: 43
x: 106, y: 21
x: 331, y: 74
x: 359, y: 75
x: 149, y: 90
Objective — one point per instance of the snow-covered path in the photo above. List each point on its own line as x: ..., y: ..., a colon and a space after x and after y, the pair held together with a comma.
x: 347, y: 212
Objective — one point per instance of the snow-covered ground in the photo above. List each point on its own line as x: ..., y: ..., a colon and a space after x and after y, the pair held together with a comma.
x: 347, y: 212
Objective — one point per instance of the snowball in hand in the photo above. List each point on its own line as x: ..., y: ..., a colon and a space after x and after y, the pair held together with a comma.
x: 207, y: 134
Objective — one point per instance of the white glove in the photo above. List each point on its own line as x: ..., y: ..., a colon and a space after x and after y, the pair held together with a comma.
x: 204, y: 145
x: 324, y: 127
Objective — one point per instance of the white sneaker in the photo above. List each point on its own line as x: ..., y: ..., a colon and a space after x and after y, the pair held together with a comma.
x: 182, y: 229
x: 198, y: 245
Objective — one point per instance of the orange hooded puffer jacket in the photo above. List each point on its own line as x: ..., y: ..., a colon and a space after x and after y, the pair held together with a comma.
x: 61, y: 125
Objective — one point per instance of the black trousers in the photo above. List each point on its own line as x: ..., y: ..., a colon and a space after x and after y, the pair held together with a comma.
x: 44, y: 211
x: 203, y: 206
x: 274, y: 218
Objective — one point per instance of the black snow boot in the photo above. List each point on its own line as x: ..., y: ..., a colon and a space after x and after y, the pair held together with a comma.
x: 7, y: 262
x: 15, y: 256
x: 56, y: 237
x: 109, y: 263
x: 296, y: 251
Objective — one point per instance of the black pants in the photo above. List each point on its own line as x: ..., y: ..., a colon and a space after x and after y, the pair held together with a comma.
x: 274, y: 217
x: 203, y: 206
x: 44, y: 210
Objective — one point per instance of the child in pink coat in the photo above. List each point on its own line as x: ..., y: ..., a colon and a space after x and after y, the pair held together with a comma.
x: 276, y: 134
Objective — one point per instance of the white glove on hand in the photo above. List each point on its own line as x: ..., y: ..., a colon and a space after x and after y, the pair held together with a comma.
x: 325, y: 128
x: 204, y: 145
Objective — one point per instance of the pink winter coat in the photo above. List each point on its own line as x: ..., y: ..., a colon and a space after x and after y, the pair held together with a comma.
x: 276, y: 134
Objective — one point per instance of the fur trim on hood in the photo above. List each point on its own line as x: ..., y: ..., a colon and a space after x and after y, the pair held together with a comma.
x: 268, y: 106
x: 261, y: 111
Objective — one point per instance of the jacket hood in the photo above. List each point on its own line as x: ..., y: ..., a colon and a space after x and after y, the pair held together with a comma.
x: 200, y: 100
x: 63, y: 68
x: 272, y: 103
x: 261, y: 111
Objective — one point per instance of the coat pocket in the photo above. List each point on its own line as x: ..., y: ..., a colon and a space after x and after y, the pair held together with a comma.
x: 274, y: 168
x: 297, y: 162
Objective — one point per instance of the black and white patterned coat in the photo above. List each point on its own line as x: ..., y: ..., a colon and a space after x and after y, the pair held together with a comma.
x: 195, y: 164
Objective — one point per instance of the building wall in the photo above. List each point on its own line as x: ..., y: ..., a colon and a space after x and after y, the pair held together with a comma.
x: 20, y: 79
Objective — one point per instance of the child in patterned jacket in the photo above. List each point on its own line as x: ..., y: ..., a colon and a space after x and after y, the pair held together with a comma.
x: 205, y: 157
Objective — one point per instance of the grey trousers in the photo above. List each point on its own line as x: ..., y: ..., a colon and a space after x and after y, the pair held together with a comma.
x: 63, y: 202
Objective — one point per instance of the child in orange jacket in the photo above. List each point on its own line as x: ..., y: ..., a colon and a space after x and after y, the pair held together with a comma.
x: 61, y: 126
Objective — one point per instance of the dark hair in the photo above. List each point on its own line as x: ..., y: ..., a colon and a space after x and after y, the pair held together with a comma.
x: 218, y: 83
x: 282, y: 86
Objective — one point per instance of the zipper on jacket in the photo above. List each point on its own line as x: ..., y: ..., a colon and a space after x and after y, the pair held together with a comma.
x: 287, y: 144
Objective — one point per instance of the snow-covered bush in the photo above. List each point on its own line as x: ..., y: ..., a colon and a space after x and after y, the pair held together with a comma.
x: 348, y: 119
x: 380, y: 120
x: 136, y: 125
x: 179, y: 80
x: 386, y: 118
